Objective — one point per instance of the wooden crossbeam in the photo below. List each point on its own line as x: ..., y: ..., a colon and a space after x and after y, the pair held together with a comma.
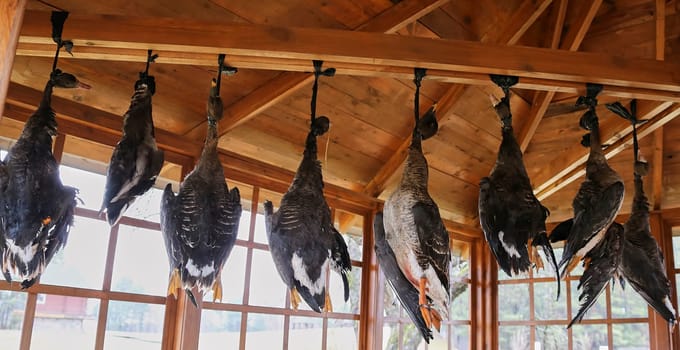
x: 104, y: 127
x: 11, y: 16
x: 287, y: 83
x: 572, y: 41
x: 358, y: 53
x: 624, y: 139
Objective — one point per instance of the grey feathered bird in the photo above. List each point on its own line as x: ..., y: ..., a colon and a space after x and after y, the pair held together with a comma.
x: 302, y: 239
x: 36, y: 209
x: 512, y: 218
x: 136, y: 161
x: 415, y: 232
x: 598, y: 199
x: 407, y: 294
x: 200, y: 224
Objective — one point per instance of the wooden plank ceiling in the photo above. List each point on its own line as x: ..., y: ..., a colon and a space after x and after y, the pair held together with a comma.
x: 554, y: 45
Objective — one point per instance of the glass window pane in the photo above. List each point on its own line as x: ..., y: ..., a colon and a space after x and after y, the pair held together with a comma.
x: 12, y: 305
x: 219, y: 330
x: 266, y: 286
x: 148, y: 206
x: 503, y: 276
x: 515, y: 305
x: 260, y: 231
x: 545, y: 306
x: 460, y: 302
x: 414, y: 340
x: 460, y: 337
x: 355, y: 246
x: 391, y: 304
x: 513, y: 337
x: 597, y: 311
x: 551, y: 337
x: 81, y: 262
x: 589, y: 337
x: 338, y: 293
x: 627, y: 303
x: 64, y: 322
x: 136, y: 248
x: 631, y: 336
x: 233, y: 277
x: 305, y: 333
x: 244, y: 225
x: 90, y: 185
x: 134, y: 326
x: 390, y: 336
x: 264, y: 331
x: 547, y: 271
x: 342, y: 335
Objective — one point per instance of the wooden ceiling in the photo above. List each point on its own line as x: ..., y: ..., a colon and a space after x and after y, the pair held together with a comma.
x: 555, y: 46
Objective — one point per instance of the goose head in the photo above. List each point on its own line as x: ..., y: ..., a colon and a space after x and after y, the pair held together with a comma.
x: 66, y: 80
x: 320, y: 126
x: 427, y: 124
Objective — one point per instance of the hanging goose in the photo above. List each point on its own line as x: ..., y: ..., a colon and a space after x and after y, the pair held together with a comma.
x: 302, y: 239
x: 136, y: 161
x: 200, y: 223
x: 642, y: 262
x: 415, y: 232
x: 598, y: 199
x: 602, y: 264
x: 36, y: 209
x: 405, y: 291
x: 512, y: 218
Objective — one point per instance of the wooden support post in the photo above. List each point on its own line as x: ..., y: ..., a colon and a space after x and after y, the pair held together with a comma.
x: 11, y: 17
x: 369, y: 279
x: 486, y: 297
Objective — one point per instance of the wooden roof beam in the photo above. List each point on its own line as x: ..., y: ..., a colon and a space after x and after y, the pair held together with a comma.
x: 571, y: 42
x: 287, y: 83
x: 104, y: 127
x: 529, y: 11
x: 11, y: 15
x: 623, y: 139
x: 354, y: 53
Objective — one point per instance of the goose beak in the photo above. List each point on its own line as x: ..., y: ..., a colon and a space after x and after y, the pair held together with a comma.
x: 81, y: 85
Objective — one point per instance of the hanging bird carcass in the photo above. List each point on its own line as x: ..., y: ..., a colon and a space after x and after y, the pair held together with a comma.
x: 303, y: 242
x: 200, y: 223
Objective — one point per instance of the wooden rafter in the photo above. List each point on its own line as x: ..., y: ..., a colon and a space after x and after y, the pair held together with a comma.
x: 288, y: 83
x: 623, y: 139
x: 571, y: 42
x: 11, y: 16
x: 529, y: 11
x: 354, y: 53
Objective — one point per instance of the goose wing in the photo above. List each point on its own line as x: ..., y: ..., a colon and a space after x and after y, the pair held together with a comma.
x: 602, y: 266
x: 594, y: 208
x: 225, y: 231
x: 434, y: 239
x: 169, y: 229
x: 402, y: 287
x: 341, y: 262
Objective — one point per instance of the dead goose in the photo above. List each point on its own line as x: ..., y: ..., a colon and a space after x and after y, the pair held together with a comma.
x: 200, y: 224
x: 136, y: 160
x: 415, y: 232
x: 36, y: 209
x: 302, y: 239
x: 405, y: 291
x: 599, y: 198
x: 642, y: 262
x: 512, y: 218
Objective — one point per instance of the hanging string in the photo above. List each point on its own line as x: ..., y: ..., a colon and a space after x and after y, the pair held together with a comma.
x: 150, y: 58
x: 329, y: 72
x: 220, y: 67
x: 57, y: 19
x: 419, y: 74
